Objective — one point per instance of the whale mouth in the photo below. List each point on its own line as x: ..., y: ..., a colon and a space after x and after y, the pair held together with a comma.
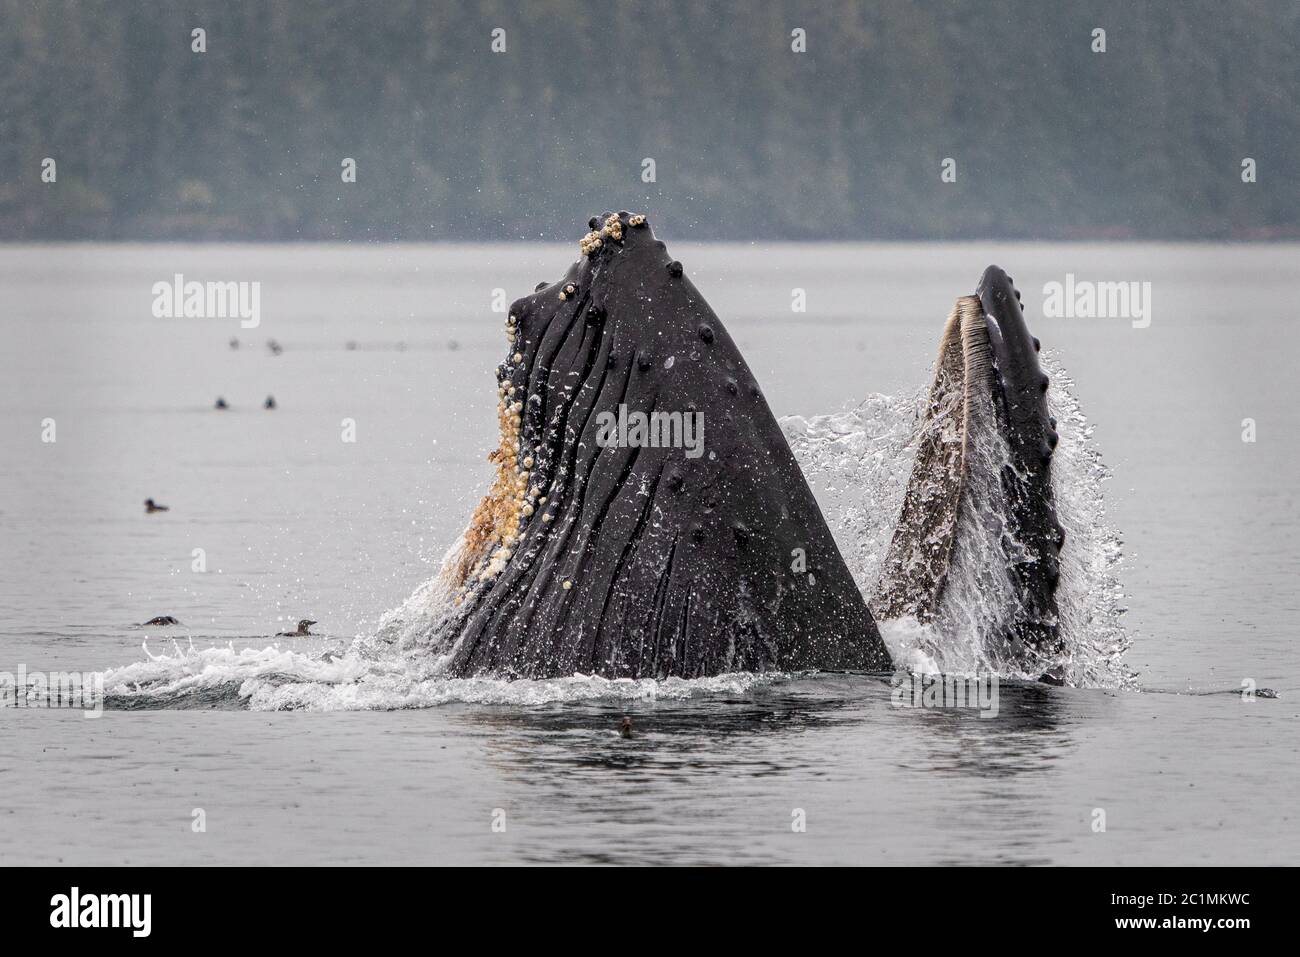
x: 647, y: 517
x: 979, y: 511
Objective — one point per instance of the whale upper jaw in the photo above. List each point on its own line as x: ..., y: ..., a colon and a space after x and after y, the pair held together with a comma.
x: 988, y: 379
x: 1019, y: 376
x: 1019, y: 387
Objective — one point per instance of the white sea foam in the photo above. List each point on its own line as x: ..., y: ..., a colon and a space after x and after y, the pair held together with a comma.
x: 274, y: 679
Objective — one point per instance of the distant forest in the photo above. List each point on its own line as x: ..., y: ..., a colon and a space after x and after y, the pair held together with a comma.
x: 750, y: 138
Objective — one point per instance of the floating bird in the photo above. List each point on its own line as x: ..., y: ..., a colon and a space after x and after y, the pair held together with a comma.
x: 302, y: 630
x: 220, y: 403
x: 161, y: 621
x: 234, y: 342
x: 269, y: 403
x: 150, y: 506
x: 274, y: 347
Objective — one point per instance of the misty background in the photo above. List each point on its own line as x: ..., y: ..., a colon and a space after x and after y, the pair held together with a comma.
x: 750, y: 139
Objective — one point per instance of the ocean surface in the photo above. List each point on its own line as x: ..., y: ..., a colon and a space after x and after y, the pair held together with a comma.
x: 286, y: 754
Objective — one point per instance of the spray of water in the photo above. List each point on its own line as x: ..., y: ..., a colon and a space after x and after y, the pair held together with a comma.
x: 1089, y: 598
x: 858, y: 462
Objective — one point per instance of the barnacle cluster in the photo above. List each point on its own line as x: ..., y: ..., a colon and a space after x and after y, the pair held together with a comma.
x: 495, y: 529
x: 498, y: 525
x: 612, y: 229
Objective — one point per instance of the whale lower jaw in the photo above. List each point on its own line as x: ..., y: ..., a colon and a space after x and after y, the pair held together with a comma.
x: 915, y: 570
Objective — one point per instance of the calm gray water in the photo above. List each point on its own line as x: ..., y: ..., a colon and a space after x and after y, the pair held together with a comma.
x: 294, y: 522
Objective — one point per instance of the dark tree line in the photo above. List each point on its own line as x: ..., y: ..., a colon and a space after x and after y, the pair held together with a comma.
x: 749, y: 139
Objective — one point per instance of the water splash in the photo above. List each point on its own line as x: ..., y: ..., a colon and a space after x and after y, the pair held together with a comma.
x: 275, y: 679
x: 1090, y: 598
x: 858, y: 462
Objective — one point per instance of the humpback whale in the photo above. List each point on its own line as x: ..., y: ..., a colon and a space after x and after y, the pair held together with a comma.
x: 987, y: 413
x: 623, y: 555
x: 632, y: 552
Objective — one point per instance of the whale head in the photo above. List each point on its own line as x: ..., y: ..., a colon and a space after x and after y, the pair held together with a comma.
x: 647, y: 518
x: 979, y: 513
